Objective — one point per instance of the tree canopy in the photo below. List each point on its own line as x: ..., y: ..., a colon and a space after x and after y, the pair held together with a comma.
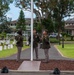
x: 21, y: 21
x: 57, y: 9
x: 4, y: 7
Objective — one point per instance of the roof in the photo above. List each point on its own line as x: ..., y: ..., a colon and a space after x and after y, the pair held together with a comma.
x: 70, y: 20
x: 13, y: 22
x: 70, y: 23
x: 28, y: 21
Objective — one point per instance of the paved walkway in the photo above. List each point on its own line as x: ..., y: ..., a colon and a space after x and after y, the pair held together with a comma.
x: 53, y: 54
x: 29, y: 66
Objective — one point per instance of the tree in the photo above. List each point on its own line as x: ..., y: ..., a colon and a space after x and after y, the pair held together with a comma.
x: 60, y: 10
x: 5, y: 28
x: 48, y: 24
x: 41, y: 10
x: 4, y: 7
x: 21, y: 21
x: 57, y: 9
x: 37, y: 26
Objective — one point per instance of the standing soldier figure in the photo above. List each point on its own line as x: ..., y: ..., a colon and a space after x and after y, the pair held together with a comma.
x: 35, y: 42
x: 46, y: 45
x: 19, y: 43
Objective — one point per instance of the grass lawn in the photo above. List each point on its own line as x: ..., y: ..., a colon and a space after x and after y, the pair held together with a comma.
x: 67, y: 51
x: 9, y: 52
x: 53, y: 40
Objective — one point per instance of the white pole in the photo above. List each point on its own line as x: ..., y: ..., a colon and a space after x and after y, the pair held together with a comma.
x: 31, y: 30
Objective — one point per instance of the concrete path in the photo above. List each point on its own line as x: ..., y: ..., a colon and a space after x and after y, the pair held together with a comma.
x: 30, y: 66
x: 53, y: 54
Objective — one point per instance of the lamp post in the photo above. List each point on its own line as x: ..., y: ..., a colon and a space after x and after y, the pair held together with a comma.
x: 31, y: 30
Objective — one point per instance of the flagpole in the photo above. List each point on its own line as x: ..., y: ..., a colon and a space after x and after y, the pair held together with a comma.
x: 31, y: 30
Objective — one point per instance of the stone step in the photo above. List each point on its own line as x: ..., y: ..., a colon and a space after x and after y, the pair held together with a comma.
x: 30, y: 66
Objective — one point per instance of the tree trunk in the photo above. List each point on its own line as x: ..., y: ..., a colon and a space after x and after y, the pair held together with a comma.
x: 72, y: 38
x: 62, y: 41
x: 59, y: 35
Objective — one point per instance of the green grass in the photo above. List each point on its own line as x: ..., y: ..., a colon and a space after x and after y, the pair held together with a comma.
x: 67, y: 51
x: 53, y: 40
x: 9, y: 52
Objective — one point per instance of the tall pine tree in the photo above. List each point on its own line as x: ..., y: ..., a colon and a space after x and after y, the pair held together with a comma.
x: 21, y: 21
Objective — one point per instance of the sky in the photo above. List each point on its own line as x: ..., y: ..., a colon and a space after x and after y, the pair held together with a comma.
x: 14, y: 12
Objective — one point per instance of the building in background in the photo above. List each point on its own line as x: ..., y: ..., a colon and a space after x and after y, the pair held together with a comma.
x: 69, y: 26
x: 28, y: 25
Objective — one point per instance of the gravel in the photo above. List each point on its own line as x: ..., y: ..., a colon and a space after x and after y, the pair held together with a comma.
x: 61, y: 64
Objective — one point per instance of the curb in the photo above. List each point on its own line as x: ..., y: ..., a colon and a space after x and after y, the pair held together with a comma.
x: 40, y: 71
